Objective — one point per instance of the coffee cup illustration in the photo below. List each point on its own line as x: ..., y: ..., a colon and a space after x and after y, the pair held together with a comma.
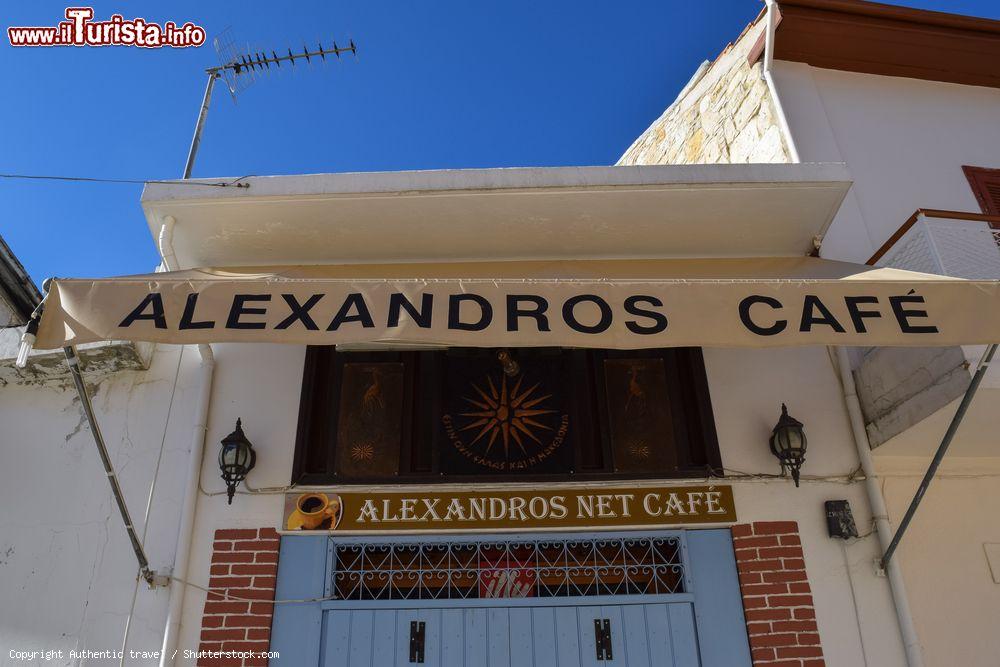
x: 315, y: 511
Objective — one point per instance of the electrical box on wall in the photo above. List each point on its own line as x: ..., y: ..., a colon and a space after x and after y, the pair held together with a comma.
x: 840, y: 520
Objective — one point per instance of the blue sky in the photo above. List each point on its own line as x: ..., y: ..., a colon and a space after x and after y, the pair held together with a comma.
x: 447, y: 84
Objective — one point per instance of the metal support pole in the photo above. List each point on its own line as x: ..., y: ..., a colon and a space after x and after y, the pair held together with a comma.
x: 200, y: 125
x: 116, y: 489
x: 949, y: 435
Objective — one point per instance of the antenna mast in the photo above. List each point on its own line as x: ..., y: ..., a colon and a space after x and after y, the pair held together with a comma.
x: 239, y: 69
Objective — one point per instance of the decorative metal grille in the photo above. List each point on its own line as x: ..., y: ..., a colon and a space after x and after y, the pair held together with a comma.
x: 507, y: 569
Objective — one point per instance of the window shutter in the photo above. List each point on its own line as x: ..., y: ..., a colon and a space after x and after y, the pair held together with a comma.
x: 986, y: 186
x: 446, y: 416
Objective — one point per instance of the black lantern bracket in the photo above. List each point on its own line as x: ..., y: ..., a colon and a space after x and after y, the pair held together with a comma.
x: 236, y: 459
x: 788, y: 443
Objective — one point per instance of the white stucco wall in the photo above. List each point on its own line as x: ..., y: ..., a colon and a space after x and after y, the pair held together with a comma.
x: 69, y: 577
x: 747, y: 390
x: 67, y: 571
x: 953, y: 594
x: 68, y: 567
x: 904, y: 140
x: 262, y: 383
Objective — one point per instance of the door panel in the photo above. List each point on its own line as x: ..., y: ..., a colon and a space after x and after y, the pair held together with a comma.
x: 619, y: 651
x: 360, y: 642
x: 384, y: 638
x: 498, y: 624
x: 587, y: 641
x: 475, y: 636
x: 658, y: 637
x: 638, y: 635
x: 683, y: 636
x: 336, y: 636
x: 522, y: 640
x: 543, y: 628
x: 588, y: 636
x: 641, y: 636
x: 432, y: 637
x: 567, y: 641
x: 453, y: 634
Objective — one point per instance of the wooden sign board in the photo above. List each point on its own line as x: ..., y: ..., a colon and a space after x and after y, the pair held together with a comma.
x: 346, y: 510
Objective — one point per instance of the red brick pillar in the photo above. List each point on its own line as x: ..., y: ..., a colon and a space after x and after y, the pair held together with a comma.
x: 777, y: 600
x: 239, y: 607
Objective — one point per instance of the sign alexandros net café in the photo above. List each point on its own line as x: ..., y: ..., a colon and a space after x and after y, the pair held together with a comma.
x: 357, y: 511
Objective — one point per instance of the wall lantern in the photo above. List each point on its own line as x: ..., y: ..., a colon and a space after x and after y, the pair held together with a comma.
x: 788, y: 443
x: 236, y: 459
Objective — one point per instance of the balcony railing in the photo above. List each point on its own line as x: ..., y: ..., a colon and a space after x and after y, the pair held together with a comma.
x: 950, y: 243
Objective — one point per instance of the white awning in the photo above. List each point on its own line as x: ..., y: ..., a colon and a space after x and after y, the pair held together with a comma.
x: 625, y: 304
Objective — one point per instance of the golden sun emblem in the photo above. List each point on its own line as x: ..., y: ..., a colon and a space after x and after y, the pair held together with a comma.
x: 507, y: 414
x: 362, y: 451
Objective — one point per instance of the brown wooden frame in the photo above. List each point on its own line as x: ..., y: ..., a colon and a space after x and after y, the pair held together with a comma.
x: 980, y: 178
x: 888, y: 40
x: 314, y: 461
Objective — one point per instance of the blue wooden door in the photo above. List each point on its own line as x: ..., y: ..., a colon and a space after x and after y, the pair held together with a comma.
x: 700, y: 624
x: 378, y: 637
x: 642, y: 635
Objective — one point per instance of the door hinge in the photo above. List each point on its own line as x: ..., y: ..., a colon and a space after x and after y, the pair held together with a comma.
x: 417, y: 641
x: 602, y: 638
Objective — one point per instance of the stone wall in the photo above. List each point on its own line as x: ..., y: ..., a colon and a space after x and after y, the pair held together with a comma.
x: 723, y: 115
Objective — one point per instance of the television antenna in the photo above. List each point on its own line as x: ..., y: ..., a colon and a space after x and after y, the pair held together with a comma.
x: 239, y: 68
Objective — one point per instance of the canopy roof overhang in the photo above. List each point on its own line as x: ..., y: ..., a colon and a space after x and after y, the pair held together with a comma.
x: 501, y: 214
x: 611, y: 257
x: 626, y: 304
